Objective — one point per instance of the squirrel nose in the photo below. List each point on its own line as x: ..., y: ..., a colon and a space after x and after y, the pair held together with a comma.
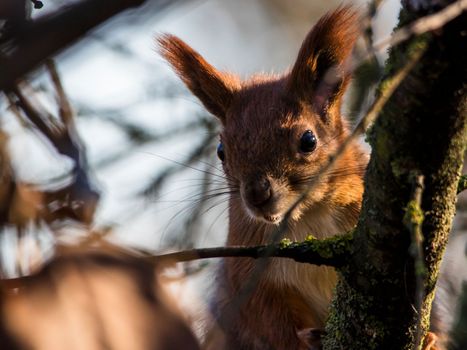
x: 258, y: 192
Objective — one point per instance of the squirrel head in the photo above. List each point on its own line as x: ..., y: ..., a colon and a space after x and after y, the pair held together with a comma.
x: 277, y: 131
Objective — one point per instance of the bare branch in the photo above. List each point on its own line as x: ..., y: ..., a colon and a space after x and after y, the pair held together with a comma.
x: 46, y: 36
x: 402, y: 139
x: 413, y: 220
x: 80, y: 194
x: 66, y: 112
x: 332, y: 251
x: 36, y: 118
x: 423, y: 25
x: 462, y: 185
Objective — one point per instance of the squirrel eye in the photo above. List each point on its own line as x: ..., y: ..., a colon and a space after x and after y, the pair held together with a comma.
x: 220, y: 151
x: 308, y: 142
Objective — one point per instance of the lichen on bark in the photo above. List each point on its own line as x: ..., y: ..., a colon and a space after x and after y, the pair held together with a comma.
x: 422, y: 128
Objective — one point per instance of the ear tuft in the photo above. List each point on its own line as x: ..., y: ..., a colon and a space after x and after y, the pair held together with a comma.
x: 214, y: 89
x: 318, y: 74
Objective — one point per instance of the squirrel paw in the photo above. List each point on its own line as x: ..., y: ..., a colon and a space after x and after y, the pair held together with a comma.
x: 311, y: 338
x: 430, y: 341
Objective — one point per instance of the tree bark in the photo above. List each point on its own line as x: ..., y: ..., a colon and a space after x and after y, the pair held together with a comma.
x: 420, y: 131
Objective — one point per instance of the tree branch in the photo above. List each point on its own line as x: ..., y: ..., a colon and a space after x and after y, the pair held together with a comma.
x: 330, y: 252
x: 79, y: 199
x: 423, y: 25
x: 65, y: 109
x: 44, y: 37
x: 462, y: 185
x: 413, y: 220
x: 373, y: 303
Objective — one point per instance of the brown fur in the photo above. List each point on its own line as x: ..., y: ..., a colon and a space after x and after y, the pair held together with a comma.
x: 214, y: 89
x: 263, y: 120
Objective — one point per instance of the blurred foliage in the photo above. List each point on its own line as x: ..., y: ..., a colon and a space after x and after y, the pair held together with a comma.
x: 31, y: 210
x: 62, y: 209
x: 89, y: 299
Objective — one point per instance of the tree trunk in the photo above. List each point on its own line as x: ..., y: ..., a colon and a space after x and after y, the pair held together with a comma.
x: 420, y: 131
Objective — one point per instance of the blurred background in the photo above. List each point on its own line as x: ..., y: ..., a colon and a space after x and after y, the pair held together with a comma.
x: 150, y: 145
x: 147, y: 146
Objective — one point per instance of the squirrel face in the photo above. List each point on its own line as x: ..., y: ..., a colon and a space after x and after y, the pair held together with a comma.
x: 273, y: 145
x: 277, y: 131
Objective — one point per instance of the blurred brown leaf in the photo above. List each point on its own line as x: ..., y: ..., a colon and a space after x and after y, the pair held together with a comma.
x: 94, y: 300
x: 25, y: 206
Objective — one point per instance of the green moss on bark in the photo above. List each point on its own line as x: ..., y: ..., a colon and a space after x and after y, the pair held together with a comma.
x: 333, y: 251
x: 423, y: 127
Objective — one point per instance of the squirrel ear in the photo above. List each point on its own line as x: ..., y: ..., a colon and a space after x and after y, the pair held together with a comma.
x: 318, y: 76
x: 214, y: 89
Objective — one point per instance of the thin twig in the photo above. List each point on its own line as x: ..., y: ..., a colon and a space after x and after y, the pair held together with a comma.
x: 70, y: 134
x: 368, y: 71
x: 81, y: 194
x: 462, y: 184
x: 330, y: 252
x: 16, y: 112
x: 36, y: 118
x: 373, y: 7
x: 65, y: 110
x: 423, y: 25
x: 413, y: 220
x: 45, y: 36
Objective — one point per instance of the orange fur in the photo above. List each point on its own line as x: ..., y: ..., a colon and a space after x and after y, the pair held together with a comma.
x: 263, y: 121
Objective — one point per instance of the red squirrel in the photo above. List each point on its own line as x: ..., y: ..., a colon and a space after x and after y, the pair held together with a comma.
x: 277, y: 132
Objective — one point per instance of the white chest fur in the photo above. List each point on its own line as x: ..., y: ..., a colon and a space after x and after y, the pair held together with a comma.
x: 315, y: 283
